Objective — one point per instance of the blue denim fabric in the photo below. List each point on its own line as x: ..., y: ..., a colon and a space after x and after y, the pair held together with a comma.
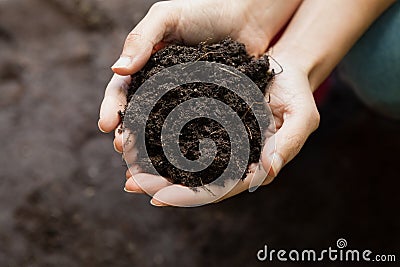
x: 372, y: 67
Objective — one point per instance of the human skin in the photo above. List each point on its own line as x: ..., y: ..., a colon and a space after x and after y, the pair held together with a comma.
x: 322, y: 32
x: 317, y: 37
x: 191, y: 22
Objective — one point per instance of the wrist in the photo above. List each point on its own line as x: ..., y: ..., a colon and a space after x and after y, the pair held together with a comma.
x: 320, y: 34
x: 295, y: 56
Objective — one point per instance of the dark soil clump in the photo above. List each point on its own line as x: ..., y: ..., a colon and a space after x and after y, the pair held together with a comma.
x: 228, y: 52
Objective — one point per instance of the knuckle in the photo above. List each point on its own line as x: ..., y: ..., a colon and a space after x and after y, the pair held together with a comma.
x: 315, y: 118
x: 160, y: 7
x: 132, y: 37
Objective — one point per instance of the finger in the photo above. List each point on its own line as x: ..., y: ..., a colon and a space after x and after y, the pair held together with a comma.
x: 133, y: 170
x: 131, y: 157
x: 258, y: 177
x: 159, y: 46
x: 114, y: 101
x: 241, y: 186
x: 118, y: 139
x: 146, y: 183
x: 253, y: 180
x: 289, y: 139
x: 130, y: 151
x: 127, y: 140
x: 124, y: 140
x: 145, y: 37
x: 182, y: 196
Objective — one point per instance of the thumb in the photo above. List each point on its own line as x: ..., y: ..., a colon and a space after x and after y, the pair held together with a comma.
x: 146, y: 37
x: 286, y: 143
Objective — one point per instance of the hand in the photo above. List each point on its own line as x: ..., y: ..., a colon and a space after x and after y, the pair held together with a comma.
x: 184, y: 25
x: 252, y: 22
x: 296, y: 117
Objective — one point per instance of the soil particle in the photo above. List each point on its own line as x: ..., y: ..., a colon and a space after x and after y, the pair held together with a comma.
x: 228, y: 52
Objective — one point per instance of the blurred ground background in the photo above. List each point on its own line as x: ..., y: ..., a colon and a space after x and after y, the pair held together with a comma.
x: 61, y: 184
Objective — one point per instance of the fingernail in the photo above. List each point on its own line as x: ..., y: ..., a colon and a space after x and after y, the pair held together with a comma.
x: 98, y: 125
x: 157, y: 203
x: 116, y: 149
x: 122, y: 62
x: 130, y: 191
x: 258, y: 179
x: 277, y: 163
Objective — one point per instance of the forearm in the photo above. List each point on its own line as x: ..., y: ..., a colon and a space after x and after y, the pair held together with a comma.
x: 322, y: 32
x: 272, y: 15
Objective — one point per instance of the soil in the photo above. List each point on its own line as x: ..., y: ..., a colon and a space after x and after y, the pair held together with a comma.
x: 61, y: 183
x: 230, y: 53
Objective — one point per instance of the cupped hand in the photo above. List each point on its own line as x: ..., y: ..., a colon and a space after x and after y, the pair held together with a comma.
x: 295, y: 116
x: 190, y: 22
x: 252, y: 22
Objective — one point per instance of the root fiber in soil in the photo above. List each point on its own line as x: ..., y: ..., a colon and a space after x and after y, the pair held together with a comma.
x: 228, y: 52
